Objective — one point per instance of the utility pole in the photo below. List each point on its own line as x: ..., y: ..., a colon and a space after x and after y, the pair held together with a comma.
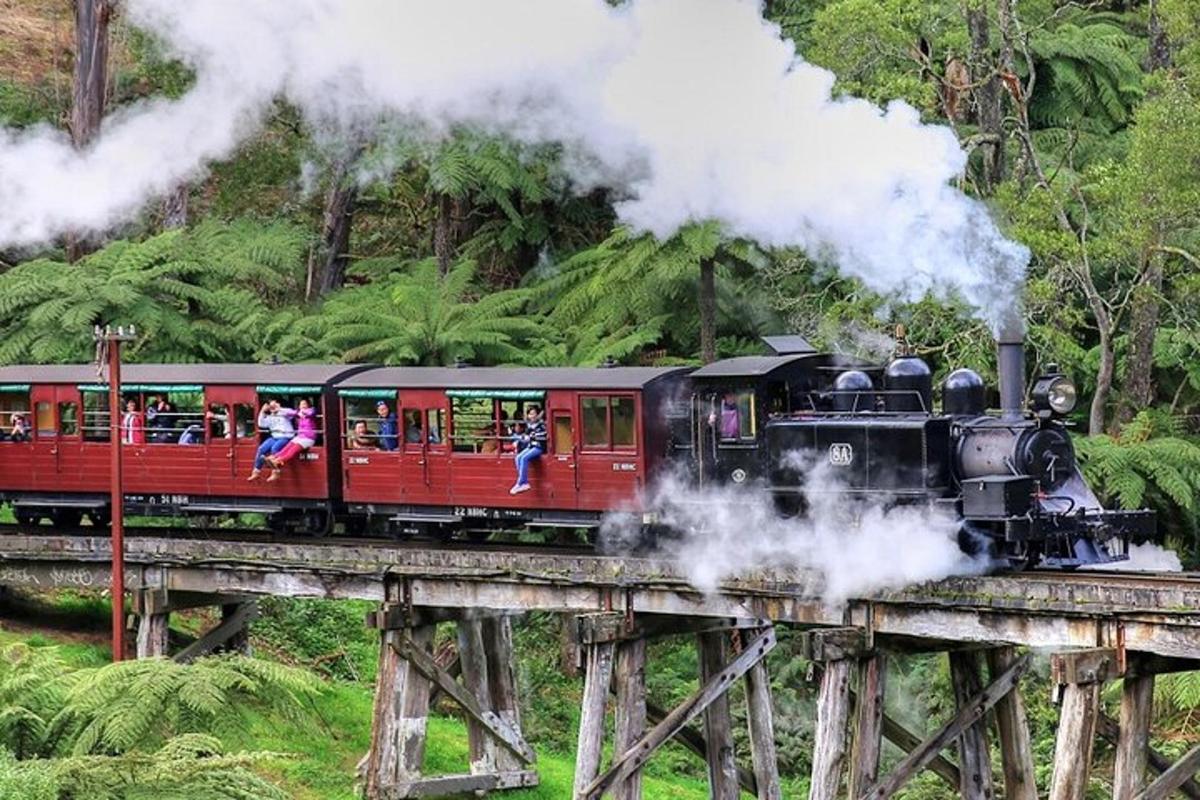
x: 108, y: 342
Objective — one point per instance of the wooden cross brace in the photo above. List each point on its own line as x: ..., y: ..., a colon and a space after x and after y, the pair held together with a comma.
x: 425, y: 664
x: 635, y: 757
x: 971, y: 711
x: 1183, y: 771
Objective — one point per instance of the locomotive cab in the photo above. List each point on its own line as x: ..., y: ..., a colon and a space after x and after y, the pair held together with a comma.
x: 735, y: 401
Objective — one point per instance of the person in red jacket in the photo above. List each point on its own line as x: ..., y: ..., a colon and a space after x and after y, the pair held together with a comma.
x: 133, y: 427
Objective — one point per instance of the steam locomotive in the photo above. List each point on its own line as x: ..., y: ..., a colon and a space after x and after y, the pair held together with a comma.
x: 446, y: 463
x: 1012, y: 478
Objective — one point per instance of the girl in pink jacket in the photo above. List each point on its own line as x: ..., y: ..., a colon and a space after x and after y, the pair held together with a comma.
x: 305, y: 417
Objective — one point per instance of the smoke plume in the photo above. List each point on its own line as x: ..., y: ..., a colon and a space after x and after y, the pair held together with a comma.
x: 689, y: 109
x: 838, y: 549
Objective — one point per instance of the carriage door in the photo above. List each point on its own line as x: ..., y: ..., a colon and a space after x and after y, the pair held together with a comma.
x: 562, y: 462
x: 423, y: 440
x: 56, y: 443
x: 231, y: 437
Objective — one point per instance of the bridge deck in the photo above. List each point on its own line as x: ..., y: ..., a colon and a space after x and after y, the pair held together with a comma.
x: 1157, y: 614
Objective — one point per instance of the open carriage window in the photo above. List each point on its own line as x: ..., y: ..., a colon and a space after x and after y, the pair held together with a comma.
x: 245, y: 421
x: 295, y: 408
x: 174, y: 417
x: 474, y: 424
x: 96, y: 421
x: 15, y: 422
x: 363, y: 421
x: 488, y: 421
x: 68, y: 419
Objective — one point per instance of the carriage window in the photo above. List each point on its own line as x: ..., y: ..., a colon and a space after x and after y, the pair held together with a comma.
x: 45, y: 419
x: 14, y: 416
x: 68, y: 419
x: 595, y: 421
x: 624, y: 425
x: 174, y: 418
x: 434, y: 420
x: 245, y: 420
x: 474, y: 421
x: 414, y: 426
x: 608, y: 422
x: 564, y: 435
x: 96, y: 425
x: 218, y: 422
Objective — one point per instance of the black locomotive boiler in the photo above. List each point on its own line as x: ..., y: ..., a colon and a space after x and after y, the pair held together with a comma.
x: 1011, y: 478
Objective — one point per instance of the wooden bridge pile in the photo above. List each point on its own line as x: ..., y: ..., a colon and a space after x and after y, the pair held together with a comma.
x: 1096, y: 629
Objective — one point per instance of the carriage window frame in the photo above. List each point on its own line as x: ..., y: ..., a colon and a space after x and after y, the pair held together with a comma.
x: 16, y: 400
x: 67, y: 419
x: 96, y: 421
x: 609, y: 401
x: 467, y: 404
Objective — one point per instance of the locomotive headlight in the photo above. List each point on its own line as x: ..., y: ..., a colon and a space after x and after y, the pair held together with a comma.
x: 1061, y: 396
x: 1054, y: 392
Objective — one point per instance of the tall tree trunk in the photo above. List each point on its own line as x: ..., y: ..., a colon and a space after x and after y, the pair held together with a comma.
x: 1143, y: 327
x: 175, y: 208
x: 1104, y: 381
x: 1145, y: 303
x: 987, y: 95
x: 91, y: 80
x: 1159, y: 56
x: 708, y: 311
x: 443, y: 233
x: 328, y: 261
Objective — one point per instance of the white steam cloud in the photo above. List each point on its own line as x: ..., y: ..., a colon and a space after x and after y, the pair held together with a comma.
x: 690, y: 109
x: 842, y: 549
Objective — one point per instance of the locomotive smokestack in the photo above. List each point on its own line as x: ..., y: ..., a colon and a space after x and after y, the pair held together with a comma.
x: 1011, y: 367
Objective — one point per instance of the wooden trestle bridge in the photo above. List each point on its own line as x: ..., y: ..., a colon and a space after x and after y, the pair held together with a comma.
x: 1096, y: 627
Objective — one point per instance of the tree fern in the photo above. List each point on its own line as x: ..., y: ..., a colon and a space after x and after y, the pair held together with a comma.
x: 1087, y: 70
x: 200, y: 295
x: 412, y: 315
x: 1149, y: 464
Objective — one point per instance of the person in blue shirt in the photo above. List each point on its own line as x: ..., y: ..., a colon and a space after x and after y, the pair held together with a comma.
x: 389, y: 432
x: 531, y: 443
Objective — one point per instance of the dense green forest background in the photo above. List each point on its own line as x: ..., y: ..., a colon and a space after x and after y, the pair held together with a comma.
x: 1082, y: 124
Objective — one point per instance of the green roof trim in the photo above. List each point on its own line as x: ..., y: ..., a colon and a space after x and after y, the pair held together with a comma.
x: 14, y: 388
x: 497, y: 394
x: 369, y: 394
x: 277, y: 389
x: 143, y: 387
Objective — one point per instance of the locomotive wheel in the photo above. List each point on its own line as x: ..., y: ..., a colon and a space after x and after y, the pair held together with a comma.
x: 26, y: 517
x: 100, y: 517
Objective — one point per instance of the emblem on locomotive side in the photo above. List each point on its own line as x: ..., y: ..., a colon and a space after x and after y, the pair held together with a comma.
x: 841, y: 454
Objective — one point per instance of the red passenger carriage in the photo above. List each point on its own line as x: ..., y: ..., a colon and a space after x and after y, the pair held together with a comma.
x: 608, y: 434
x: 192, y: 459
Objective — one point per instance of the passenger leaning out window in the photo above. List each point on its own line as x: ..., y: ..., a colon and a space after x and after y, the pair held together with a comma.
x: 306, y: 437
x: 277, y: 420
